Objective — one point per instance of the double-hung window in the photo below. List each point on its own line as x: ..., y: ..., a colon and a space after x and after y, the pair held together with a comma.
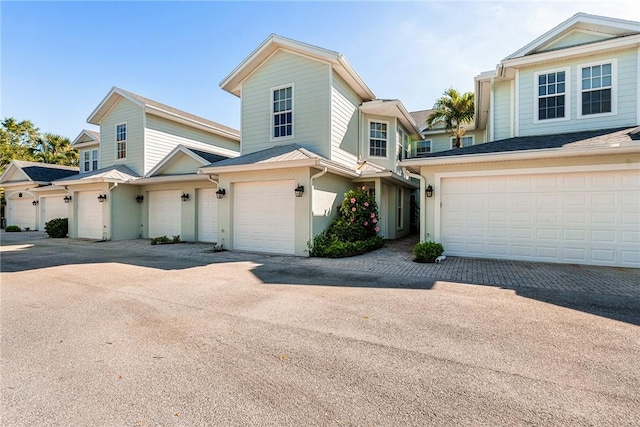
x: 94, y: 159
x: 378, y: 139
x: 597, y: 86
x: 552, y: 93
x: 86, y: 164
x: 121, y: 141
x: 282, y: 112
x: 423, y: 147
x: 465, y: 141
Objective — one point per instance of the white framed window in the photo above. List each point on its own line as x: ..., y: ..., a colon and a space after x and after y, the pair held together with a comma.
x: 121, y: 141
x: 402, y: 145
x: 465, y: 141
x: 378, y: 138
x: 399, y: 218
x: 598, y: 86
x: 94, y: 159
x: 282, y: 112
x: 86, y: 163
x: 423, y: 147
x: 551, y: 95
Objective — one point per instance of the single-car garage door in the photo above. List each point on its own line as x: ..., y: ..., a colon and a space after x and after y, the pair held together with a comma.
x: 89, y: 215
x: 165, y: 213
x: 575, y: 217
x: 264, y: 216
x: 53, y: 207
x: 207, y: 215
x: 21, y: 212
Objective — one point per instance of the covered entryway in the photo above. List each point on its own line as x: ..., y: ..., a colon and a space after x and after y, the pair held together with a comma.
x: 585, y: 217
x: 52, y: 207
x: 21, y: 211
x: 165, y: 213
x: 90, y: 221
x: 207, y: 215
x: 264, y: 216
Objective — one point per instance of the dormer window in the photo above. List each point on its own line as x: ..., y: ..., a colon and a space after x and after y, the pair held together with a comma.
x: 552, y: 94
x: 282, y: 112
x: 597, y: 89
x: 121, y: 141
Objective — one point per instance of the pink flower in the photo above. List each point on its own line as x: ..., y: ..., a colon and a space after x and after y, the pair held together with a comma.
x: 353, y: 209
x: 352, y: 219
x: 366, y: 223
x: 353, y: 200
x: 373, y: 215
x: 364, y: 188
x: 366, y: 204
x: 377, y: 229
x: 374, y: 220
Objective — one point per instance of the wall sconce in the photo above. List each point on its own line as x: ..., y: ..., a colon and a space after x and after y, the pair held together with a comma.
x: 220, y: 193
x: 429, y: 191
x: 102, y: 198
x: 67, y: 199
x: 299, y: 190
x: 139, y: 198
x: 19, y: 194
x: 184, y: 197
x: 35, y: 203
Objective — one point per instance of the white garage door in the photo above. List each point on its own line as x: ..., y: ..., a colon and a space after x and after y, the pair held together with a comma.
x: 582, y: 217
x: 165, y: 213
x: 53, y: 207
x: 21, y: 212
x: 207, y: 215
x: 89, y: 215
x: 264, y: 216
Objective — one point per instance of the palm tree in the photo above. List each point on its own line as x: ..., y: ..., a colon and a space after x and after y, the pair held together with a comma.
x: 454, y: 110
x: 56, y: 149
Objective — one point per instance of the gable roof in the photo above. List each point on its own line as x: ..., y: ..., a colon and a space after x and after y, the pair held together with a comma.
x: 420, y: 117
x: 119, y: 173
x: 612, y: 27
x: 162, y: 110
x: 600, y: 141
x: 273, y: 43
x: 86, y: 138
x: 200, y: 156
x: 39, y: 172
x: 393, y: 108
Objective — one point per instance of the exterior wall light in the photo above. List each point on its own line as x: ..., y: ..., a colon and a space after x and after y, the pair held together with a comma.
x: 299, y: 190
x: 139, y: 198
x: 35, y: 203
x: 184, y: 197
x: 429, y: 191
x: 220, y: 193
x: 102, y: 198
x: 67, y: 199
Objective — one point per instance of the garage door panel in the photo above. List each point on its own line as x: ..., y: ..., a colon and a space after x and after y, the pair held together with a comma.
x: 165, y: 213
x: 549, y: 217
x: 89, y: 215
x: 207, y: 215
x: 22, y: 213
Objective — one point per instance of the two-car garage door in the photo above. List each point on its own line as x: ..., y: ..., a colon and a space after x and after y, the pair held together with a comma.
x: 578, y: 217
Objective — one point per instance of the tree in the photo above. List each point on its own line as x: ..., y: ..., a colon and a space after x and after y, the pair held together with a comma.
x: 454, y: 110
x: 56, y: 149
x: 18, y: 141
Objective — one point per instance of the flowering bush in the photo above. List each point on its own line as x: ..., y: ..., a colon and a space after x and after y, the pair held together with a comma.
x: 354, y: 231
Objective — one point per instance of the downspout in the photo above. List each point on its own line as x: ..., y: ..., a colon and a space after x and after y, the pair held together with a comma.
x: 318, y: 175
x: 210, y: 178
x: 423, y: 202
x: 104, y: 235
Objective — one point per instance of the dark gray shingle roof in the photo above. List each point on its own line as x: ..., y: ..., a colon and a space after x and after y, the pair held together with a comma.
x: 44, y: 172
x: 210, y: 157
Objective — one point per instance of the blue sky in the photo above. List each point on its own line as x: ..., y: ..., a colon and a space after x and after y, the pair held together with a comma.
x: 59, y: 59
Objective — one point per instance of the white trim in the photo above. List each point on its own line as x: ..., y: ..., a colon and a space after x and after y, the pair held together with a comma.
x: 368, y: 138
x: 399, y: 208
x: 570, y: 32
x: 516, y: 101
x: 638, y: 87
x: 166, y: 159
x: 492, y: 103
x: 614, y: 89
x: 86, y: 163
x: 522, y: 171
x: 115, y: 140
x: 293, y: 112
x: 97, y: 151
x: 512, y: 109
x: 430, y: 141
x: 567, y: 95
x: 453, y: 138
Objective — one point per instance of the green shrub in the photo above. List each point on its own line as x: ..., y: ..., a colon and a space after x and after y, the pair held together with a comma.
x: 176, y: 239
x: 57, y: 228
x: 12, y: 228
x: 427, y: 251
x: 326, y: 246
x: 160, y: 240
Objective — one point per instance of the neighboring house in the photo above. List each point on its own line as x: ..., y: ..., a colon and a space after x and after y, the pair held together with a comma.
x: 559, y: 179
x: 310, y: 123
x: 439, y: 139
x: 30, y: 197
x: 140, y: 174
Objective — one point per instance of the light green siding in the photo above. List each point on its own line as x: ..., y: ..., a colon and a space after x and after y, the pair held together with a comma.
x: 311, y: 103
x: 164, y: 135
x: 123, y: 111
x: 180, y: 164
x: 389, y: 161
x: 575, y: 38
x: 344, y: 122
x: 627, y: 81
x: 502, y: 102
x: 442, y: 141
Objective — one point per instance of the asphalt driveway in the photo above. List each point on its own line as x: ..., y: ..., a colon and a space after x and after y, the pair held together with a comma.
x: 124, y: 333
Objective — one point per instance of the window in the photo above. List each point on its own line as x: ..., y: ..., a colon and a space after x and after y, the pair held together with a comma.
x: 423, y: 147
x: 121, y: 141
x: 399, y: 219
x: 282, y: 112
x: 552, y: 94
x: 596, y: 89
x: 378, y: 139
x: 94, y: 159
x: 465, y: 141
x: 401, y: 142
x: 85, y: 161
